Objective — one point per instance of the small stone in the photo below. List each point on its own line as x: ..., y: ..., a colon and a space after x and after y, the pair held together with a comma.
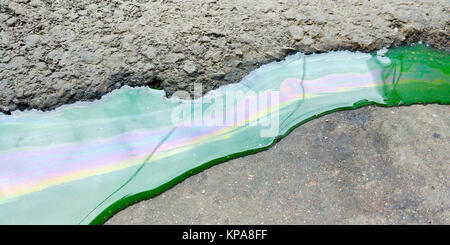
x: 246, y: 38
x: 275, y: 54
x: 291, y: 14
x: 66, y: 59
x: 108, y: 39
x: 12, y: 107
x: 17, y: 62
x: 235, y: 45
x: 216, y: 56
x: 54, y: 55
x: 92, y: 7
x: 11, y: 21
x: 150, y: 53
x: 38, y: 53
x: 205, y: 39
x: 236, y: 63
x: 32, y: 40
x: 197, y: 49
x: 148, y: 67
x: 216, y: 32
x: 307, y: 41
x: 296, y: 32
x: 173, y: 58
x: 127, y: 42
x: 90, y: 58
x: 132, y: 59
x: 5, y: 38
x: 41, y: 66
x: 35, y: 3
x: 178, y: 48
x: 189, y: 67
x: 288, y: 50
x: 3, y: 17
x: 266, y: 7
x: 6, y: 59
x: 4, y: 109
x: 218, y: 75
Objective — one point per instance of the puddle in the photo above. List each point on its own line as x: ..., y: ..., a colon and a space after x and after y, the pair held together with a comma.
x: 81, y: 163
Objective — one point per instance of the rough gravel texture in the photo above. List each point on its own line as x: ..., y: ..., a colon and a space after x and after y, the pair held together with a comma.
x: 54, y: 52
x: 367, y: 166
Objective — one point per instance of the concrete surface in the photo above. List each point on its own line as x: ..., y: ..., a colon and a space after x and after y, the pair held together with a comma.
x: 367, y: 166
x: 58, y: 52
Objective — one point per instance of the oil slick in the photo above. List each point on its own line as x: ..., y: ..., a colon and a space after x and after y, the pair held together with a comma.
x: 83, y: 162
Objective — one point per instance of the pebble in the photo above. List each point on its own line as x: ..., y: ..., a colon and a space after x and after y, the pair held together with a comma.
x: 150, y: 52
x: 189, y: 67
x: 174, y: 57
x: 296, y: 32
x: 32, y: 40
x: 35, y: 3
x: 11, y: 21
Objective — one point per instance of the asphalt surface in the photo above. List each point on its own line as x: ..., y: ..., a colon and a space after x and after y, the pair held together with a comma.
x: 59, y: 52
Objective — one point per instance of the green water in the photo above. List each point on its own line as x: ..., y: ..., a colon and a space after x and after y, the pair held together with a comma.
x: 83, y: 162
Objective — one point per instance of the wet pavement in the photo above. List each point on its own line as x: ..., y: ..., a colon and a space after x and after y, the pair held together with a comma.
x: 367, y: 166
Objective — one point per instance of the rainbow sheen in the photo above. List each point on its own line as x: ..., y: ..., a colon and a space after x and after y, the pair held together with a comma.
x: 81, y: 163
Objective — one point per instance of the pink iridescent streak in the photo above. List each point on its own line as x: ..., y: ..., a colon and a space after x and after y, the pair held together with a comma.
x: 27, y: 168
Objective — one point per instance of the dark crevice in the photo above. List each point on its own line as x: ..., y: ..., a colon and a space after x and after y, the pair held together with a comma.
x: 117, y: 80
